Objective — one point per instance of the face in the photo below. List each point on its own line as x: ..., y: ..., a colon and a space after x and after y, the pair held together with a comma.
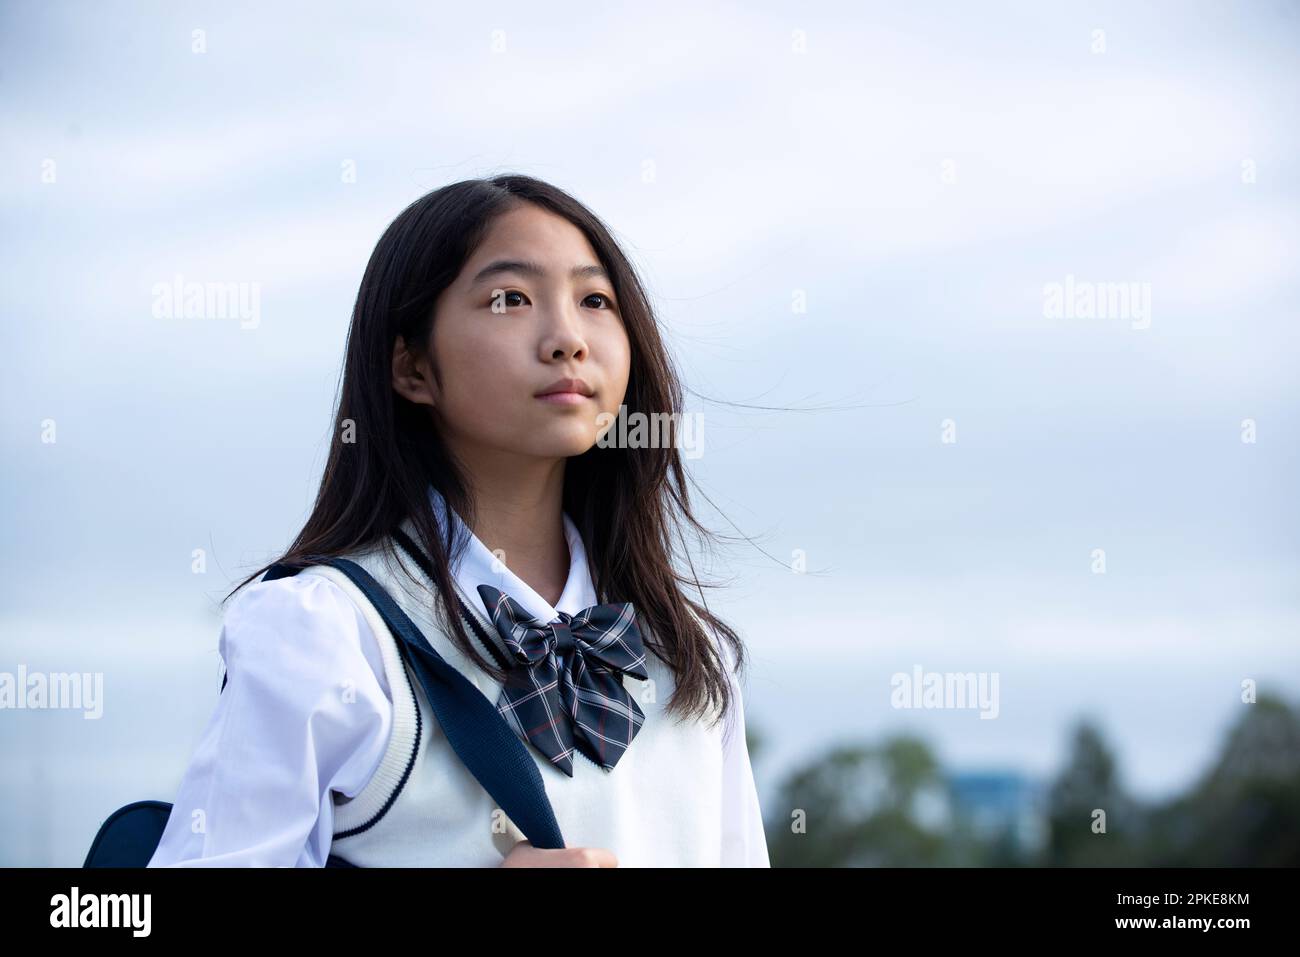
x: 532, y: 307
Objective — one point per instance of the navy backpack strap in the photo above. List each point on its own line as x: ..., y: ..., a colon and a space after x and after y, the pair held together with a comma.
x: 481, y: 738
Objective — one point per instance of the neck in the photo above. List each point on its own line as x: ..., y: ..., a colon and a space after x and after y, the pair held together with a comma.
x: 518, y: 515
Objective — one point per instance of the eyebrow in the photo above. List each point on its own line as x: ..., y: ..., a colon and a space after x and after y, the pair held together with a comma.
x: 526, y: 267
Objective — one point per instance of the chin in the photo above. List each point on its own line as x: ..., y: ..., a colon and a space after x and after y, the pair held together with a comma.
x: 561, y: 445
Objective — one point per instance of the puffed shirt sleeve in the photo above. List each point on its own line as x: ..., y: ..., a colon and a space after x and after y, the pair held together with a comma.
x: 307, y: 710
x: 744, y: 843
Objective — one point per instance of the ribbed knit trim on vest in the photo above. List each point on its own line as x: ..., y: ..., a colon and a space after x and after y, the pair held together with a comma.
x: 351, y: 816
x: 364, y: 810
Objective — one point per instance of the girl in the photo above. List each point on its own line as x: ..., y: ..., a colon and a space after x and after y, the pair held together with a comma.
x: 497, y: 331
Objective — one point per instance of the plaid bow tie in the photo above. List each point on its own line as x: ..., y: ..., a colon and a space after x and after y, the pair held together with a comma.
x: 584, y: 705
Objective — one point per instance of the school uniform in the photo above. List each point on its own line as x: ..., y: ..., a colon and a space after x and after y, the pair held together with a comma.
x: 323, y: 742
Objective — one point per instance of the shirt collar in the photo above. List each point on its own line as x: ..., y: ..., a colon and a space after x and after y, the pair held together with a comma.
x: 476, y: 565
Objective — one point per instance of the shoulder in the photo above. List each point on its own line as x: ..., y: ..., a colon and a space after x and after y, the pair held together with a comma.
x: 727, y: 656
x: 304, y: 626
x: 734, y: 720
x: 306, y: 598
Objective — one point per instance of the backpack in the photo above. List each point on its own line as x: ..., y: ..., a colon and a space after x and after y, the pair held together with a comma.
x: 482, y: 739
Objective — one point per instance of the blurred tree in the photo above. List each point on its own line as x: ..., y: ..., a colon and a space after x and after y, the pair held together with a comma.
x: 1245, y: 810
x: 861, y: 806
x: 890, y: 805
x: 755, y: 742
x: 1087, y: 788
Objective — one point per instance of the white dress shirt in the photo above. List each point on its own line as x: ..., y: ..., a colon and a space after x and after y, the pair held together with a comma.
x: 257, y: 791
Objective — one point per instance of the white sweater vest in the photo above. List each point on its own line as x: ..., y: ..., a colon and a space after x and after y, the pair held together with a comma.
x: 661, y: 805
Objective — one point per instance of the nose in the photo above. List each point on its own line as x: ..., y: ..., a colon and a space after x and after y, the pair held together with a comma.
x: 563, y: 338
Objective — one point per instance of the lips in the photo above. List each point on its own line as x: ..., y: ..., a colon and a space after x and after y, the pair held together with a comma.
x: 569, y: 386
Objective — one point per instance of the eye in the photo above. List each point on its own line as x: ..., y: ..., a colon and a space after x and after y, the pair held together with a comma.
x: 609, y: 303
x: 502, y: 298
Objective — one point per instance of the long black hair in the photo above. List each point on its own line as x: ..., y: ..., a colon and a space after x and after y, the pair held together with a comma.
x: 628, y: 504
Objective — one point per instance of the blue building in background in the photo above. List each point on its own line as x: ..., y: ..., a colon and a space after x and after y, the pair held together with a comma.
x: 1004, y: 807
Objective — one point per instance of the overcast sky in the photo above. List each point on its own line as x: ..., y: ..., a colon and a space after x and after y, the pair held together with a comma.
x: 915, y: 178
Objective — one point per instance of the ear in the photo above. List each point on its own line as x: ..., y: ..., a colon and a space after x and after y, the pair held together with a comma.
x: 412, y: 375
